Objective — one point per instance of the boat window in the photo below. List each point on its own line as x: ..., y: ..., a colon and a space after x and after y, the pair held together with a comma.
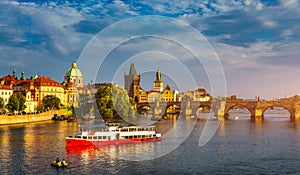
x: 95, y: 137
x: 90, y: 137
x: 104, y: 137
x: 77, y: 136
x: 84, y: 137
x: 124, y: 130
x: 135, y: 136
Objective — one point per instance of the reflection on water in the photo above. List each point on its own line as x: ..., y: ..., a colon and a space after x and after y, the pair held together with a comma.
x: 238, y: 147
x: 274, y: 115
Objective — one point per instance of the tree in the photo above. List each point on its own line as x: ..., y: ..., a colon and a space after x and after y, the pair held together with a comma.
x: 40, y: 107
x: 13, y: 103
x: 51, y: 102
x: 113, y: 102
x: 1, y: 102
x: 21, y: 100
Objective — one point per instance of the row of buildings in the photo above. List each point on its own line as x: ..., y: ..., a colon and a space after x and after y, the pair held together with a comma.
x: 37, y: 87
x: 69, y: 91
x: 159, y: 92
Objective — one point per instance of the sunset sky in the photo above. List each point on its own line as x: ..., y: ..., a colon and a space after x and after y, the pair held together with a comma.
x: 256, y: 41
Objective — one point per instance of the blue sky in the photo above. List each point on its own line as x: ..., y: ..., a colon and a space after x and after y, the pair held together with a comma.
x: 256, y: 41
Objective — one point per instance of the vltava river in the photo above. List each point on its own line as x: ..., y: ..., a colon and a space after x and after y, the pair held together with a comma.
x: 238, y: 147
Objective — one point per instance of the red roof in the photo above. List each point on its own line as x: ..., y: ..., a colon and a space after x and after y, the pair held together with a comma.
x: 22, y: 82
x: 70, y: 84
x: 46, y: 81
x: 9, y: 80
x: 3, y: 87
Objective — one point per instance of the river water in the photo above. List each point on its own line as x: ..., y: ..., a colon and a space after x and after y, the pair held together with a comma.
x: 237, y: 147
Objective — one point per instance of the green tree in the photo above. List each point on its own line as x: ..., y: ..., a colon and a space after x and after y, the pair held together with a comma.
x: 21, y: 100
x: 13, y: 103
x: 40, y: 107
x: 51, y: 102
x: 113, y: 102
x: 1, y: 102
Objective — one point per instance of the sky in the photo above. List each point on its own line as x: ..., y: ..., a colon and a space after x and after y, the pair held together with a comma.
x: 247, y: 48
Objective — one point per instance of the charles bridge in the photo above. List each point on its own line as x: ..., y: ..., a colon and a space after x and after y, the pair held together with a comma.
x: 221, y: 107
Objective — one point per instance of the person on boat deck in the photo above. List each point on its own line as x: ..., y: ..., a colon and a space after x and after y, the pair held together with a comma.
x: 63, y: 161
x: 57, y: 159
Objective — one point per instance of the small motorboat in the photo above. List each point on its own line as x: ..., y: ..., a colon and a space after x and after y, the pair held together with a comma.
x: 59, y: 164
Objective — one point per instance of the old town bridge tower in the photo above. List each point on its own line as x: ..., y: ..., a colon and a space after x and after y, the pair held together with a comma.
x: 132, y: 83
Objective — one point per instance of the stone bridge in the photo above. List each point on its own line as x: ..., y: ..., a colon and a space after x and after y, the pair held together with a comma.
x: 187, y: 108
x: 221, y: 107
x: 257, y: 108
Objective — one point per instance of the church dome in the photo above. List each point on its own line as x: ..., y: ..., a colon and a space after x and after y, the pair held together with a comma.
x: 73, y: 71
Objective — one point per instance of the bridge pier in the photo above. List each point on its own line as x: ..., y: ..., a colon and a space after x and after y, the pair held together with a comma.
x: 188, y: 110
x: 297, y: 111
x: 259, y: 115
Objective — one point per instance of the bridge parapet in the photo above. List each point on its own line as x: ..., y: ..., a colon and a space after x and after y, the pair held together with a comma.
x: 256, y: 108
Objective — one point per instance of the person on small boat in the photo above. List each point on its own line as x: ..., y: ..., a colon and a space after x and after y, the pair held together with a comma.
x: 57, y: 159
x: 63, y: 162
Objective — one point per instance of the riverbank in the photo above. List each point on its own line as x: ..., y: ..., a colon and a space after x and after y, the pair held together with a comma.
x: 28, y: 118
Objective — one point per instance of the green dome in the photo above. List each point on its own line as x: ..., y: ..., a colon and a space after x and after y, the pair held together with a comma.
x: 73, y: 71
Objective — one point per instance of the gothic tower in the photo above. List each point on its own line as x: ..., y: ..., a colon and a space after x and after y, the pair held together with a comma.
x: 158, y: 85
x: 132, y: 83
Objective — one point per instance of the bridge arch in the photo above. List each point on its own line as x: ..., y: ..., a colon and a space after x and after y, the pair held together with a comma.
x: 288, y: 108
x: 238, y: 106
x: 170, y: 105
x: 143, y: 107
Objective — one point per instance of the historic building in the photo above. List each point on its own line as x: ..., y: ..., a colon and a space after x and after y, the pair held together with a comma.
x: 169, y: 95
x: 5, y: 93
x: 154, y: 96
x: 74, y: 75
x: 158, y: 84
x: 143, y: 96
x: 37, y: 87
x: 73, y: 83
x: 132, y: 83
x: 200, y: 94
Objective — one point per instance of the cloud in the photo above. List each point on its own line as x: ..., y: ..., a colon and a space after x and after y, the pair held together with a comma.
x: 251, y: 36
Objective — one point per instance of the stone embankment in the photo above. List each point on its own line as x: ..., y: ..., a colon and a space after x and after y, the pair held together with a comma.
x: 15, y: 119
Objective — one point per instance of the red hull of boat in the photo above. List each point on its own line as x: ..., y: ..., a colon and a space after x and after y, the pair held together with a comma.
x: 73, y: 142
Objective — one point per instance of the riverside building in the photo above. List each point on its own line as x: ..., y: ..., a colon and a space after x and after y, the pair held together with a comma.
x: 37, y: 87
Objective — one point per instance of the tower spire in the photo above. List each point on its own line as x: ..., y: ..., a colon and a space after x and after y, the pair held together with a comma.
x: 23, y: 74
x: 158, y: 75
x: 14, y: 73
x: 132, y: 70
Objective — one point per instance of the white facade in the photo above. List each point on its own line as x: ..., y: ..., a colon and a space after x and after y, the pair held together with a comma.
x: 5, y: 93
